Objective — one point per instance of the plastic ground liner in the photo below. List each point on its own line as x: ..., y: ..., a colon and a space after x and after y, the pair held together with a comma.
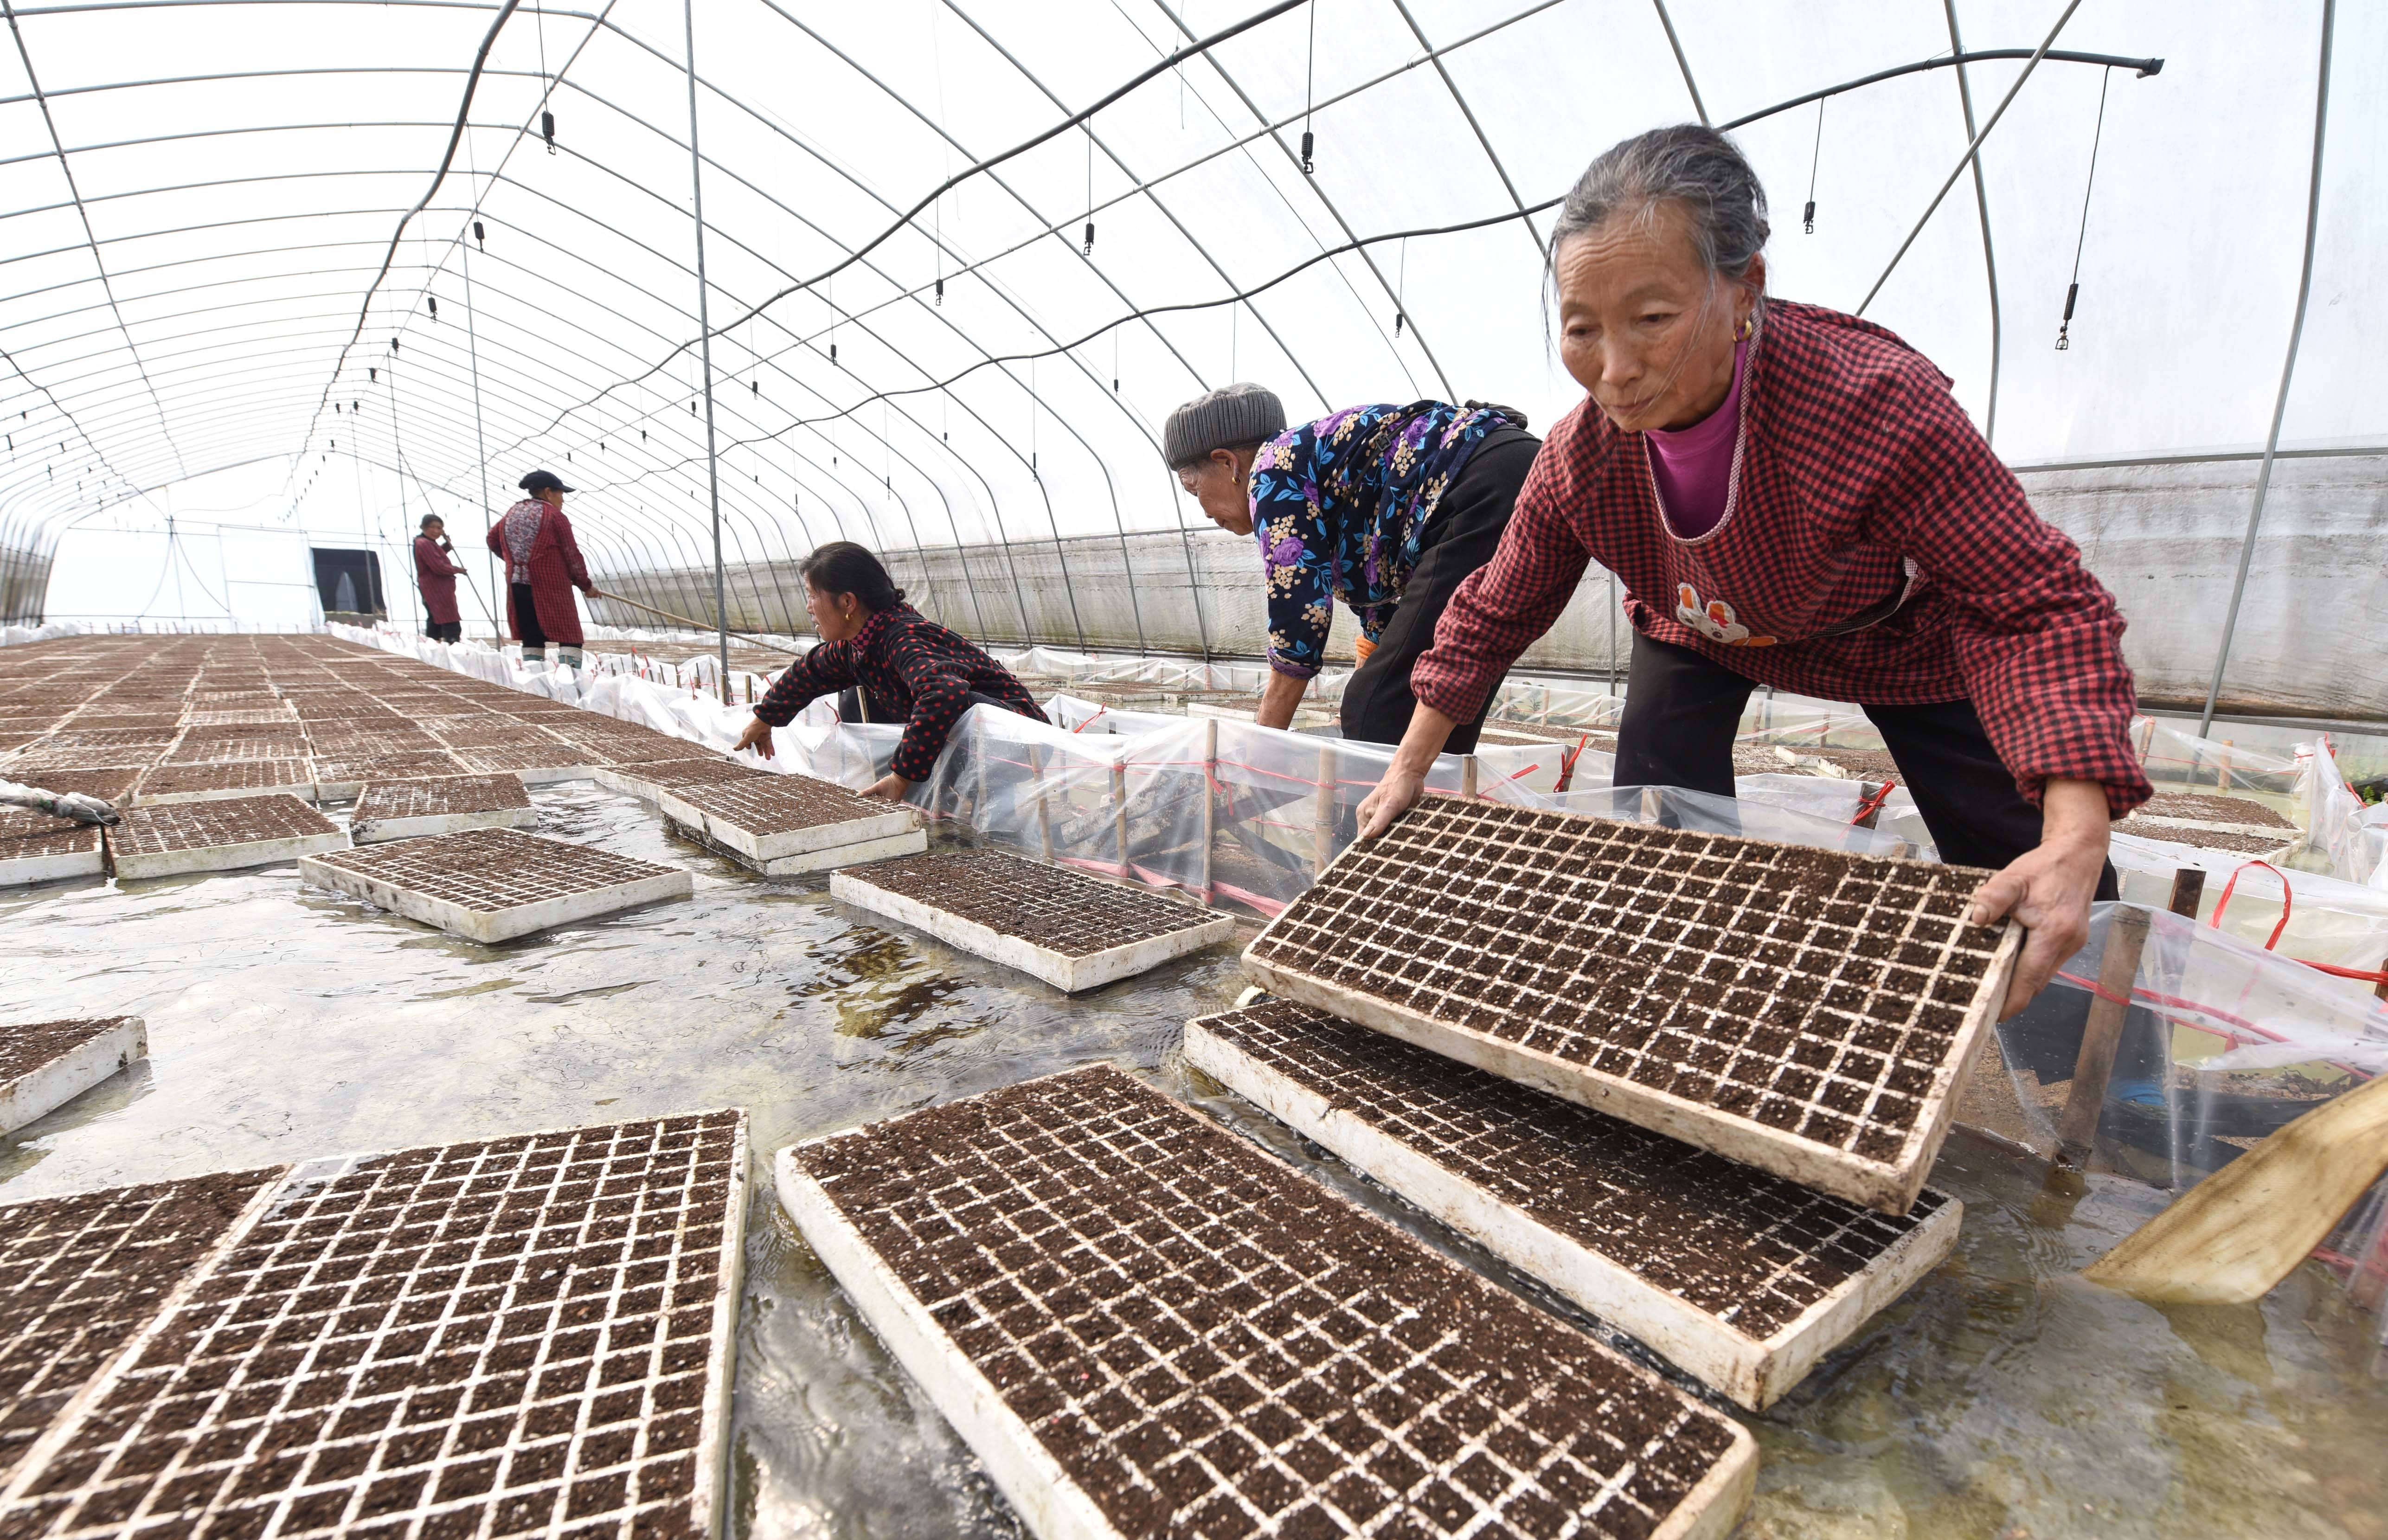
x: 1806, y: 1011
x: 1068, y: 929
x: 492, y: 884
x: 36, y: 847
x: 785, y: 824
x: 218, y: 835
x: 447, y: 804
x: 174, y: 783
x: 1144, y: 1325
x: 1742, y: 1280
x: 526, y: 1336
x: 47, y: 1065
x: 81, y: 1275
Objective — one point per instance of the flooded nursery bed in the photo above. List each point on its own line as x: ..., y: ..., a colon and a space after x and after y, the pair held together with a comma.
x: 2000, y: 1397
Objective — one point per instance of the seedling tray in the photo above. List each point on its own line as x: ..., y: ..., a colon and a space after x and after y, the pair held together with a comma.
x: 407, y: 809
x: 1143, y: 1325
x: 536, y: 764
x: 172, y: 783
x: 520, y: 1336
x: 45, y: 1065
x: 1806, y: 1011
x: 1068, y: 929
x: 785, y: 824
x: 1742, y: 1280
x: 645, y: 778
x: 36, y: 847
x: 346, y: 775
x: 80, y: 1275
x: 217, y: 837
x: 493, y: 885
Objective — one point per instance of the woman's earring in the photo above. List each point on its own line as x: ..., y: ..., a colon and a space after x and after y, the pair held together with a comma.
x: 1743, y: 332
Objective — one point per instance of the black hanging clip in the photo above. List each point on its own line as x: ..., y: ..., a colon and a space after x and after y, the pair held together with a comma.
x: 1091, y: 239
x: 547, y: 130
x: 373, y: 376
x: 1399, y: 317
x: 1809, y: 219
x: 1309, y: 143
x: 2064, y: 343
x: 435, y: 305
x: 481, y: 235
x: 941, y: 291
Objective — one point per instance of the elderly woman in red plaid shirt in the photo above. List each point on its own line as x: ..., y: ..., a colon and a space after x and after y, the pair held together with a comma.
x: 1791, y: 496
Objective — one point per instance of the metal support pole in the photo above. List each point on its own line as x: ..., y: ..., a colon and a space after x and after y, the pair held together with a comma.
x: 1044, y: 811
x: 1119, y: 811
x: 480, y: 438
x: 705, y: 350
x: 1210, y: 804
x: 2288, y: 369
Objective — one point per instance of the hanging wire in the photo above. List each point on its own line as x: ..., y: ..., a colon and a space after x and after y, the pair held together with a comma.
x: 2073, y: 289
x: 1090, y: 191
x: 1309, y: 92
x: 1400, y: 289
x: 1815, y: 155
x: 547, y: 82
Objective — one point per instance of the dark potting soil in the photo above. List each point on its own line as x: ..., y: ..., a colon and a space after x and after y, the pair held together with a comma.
x: 1051, y: 907
x: 263, y: 775
x: 1751, y: 1250
x: 492, y: 732
x: 490, y: 870
x: 79, y: 1276
x: 26, y: 835
x: 2212, y: 810
x: 27, y: 1046
x: 204, y: 826
x: 1208, y: 1343
x: 517, y: 1333
x: 445, y: 794
x: 709, y: 770
x: 1813, y: 991
x: 2206, y: 839
x: 341, y: 768
x: 767, y: 803
x: 489, y: 761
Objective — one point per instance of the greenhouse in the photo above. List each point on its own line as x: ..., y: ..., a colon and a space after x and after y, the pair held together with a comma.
x: 775, y: 770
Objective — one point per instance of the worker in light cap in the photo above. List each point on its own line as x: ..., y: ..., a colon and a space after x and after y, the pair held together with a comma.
x: 1384, y: 508
x: 543, y: 566
x: 435, y: 571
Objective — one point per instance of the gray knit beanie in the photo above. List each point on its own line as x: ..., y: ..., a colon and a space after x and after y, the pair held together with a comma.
x: 1234, y: 416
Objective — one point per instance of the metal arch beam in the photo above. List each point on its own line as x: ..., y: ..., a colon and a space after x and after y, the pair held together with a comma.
x: 1681, y: 62
x: 2142, y: 67
x: 32, y: 78
x: 1982, y: 208
x: 1483, y: 141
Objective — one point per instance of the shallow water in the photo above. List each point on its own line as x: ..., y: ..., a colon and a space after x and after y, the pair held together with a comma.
x: 2000, y: 1398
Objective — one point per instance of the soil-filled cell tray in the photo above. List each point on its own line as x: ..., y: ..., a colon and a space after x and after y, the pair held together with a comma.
x: 522, y: 1336
x: 536, y: 764
x: 81, y: 1275
x: 344, y: 775
x: 1144, y: 1326
x: 217, y: 837
x: 2222, y: 812
x: 174, y: 783
x: 644, y: 780
x: 407, y: 809
x: 1066, y: 928
x: 46, y: 1064
x: 785, y: 824
x: 108, y: 785
x: 490, y: 731
x: 1742, y: 1280
x: 36, y: 847
x: 194, y: 748
x: 492, y: 885
x: 1806, y: 1011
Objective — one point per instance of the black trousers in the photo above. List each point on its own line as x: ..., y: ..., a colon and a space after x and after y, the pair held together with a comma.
x: 526, y: 616
x: 1465, y: 531
x: 1682, y: 710
x: 444, y: 630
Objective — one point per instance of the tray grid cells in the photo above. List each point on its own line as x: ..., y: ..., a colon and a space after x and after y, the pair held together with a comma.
x: 1815, y: 992
x: 78, y: 1275
x: 1051, y: 905
x: 27, y: 835
x: 1755, y: 1252
x: 455, y: 793
x: 491, y: 869
x: 27, y: 1046
x: 494, y: 1338
x: 264, y: 775
x: 341, y: 768
x: 528, y: 756
x: 196, y: 750
x: 1211, y: 1344
x: 204, y: 826
x: 771, y: 804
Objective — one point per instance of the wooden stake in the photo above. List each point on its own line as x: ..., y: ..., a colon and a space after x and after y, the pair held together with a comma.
x: 1119, y: 813
x: 1209, y: 803
x: 2076, y: 1130
x: 1044, y: 812
x: 1322, y: 821
x: 2188, y: 888
x: 1468, y: 775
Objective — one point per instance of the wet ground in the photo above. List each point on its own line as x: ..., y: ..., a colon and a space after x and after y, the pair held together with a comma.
x: 2002, y: 1398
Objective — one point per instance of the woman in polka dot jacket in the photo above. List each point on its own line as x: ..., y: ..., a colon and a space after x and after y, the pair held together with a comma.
x: 894, y: 664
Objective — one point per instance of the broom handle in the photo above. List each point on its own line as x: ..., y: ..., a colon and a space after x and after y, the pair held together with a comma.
x: 692, y: 625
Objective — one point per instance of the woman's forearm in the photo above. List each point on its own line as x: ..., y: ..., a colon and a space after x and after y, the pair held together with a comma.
x: 1280, y: 697
x: 1429, y: 730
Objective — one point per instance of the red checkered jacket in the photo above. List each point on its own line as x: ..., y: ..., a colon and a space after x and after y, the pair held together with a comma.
x: 1872, y: 549
x: 911, y: 670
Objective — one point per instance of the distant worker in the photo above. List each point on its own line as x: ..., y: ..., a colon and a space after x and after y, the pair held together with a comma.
x: 543, y: 566
x: 1791, y: 495
x: 894, y: 665
x: 1385, y: 508
x: 436, y: 575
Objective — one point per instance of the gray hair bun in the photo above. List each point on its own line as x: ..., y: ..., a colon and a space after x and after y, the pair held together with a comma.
x: 1688, y: 164
x: 1233, y: 416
